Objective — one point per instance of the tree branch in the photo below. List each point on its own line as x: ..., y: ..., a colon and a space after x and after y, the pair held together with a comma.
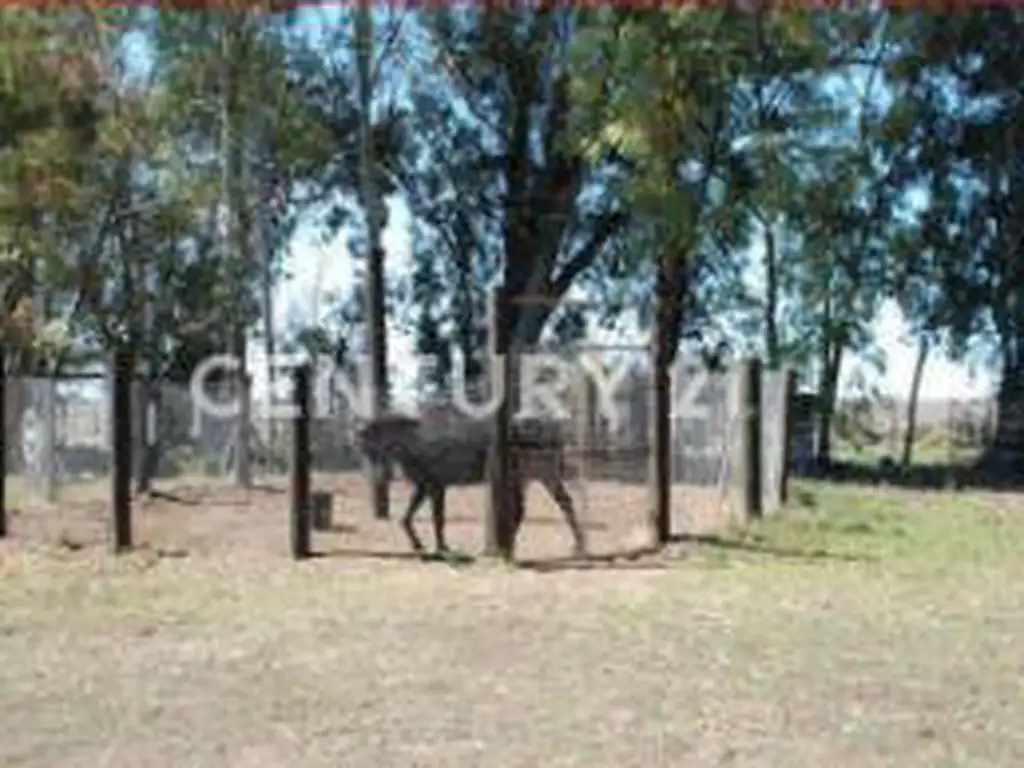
x: 606, y: 227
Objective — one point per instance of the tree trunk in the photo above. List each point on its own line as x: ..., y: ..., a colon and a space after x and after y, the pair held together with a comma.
x: 910, y: 435
x: 232, y: 237
x: 1009, y: 433
x: 771, y: 328
x: 269, y: 345
x: 377, y: 475
x: 670, y: 290
x: 832, y: 360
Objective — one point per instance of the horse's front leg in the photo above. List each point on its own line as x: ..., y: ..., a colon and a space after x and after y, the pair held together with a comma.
x: 419, y: 493
x: 438, y: 511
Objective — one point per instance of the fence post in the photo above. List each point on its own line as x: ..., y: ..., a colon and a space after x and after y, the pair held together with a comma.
x: 121, y: 438
x: 749, y: 465
x: 49, y: 438
x: 659, y: 416
x: 300, y: 466
x: 497, y: 522
x: 3, y: 442
x: 788, y: 435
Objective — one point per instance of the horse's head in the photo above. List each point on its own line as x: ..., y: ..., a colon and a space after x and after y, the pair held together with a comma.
x: 379, y: 438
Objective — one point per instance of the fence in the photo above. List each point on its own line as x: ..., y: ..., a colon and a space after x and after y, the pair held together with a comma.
x: 56, y: 432
x: 708, y: 438
x: 58, y: 440
x: 947, y: 431
x: 612, y: 453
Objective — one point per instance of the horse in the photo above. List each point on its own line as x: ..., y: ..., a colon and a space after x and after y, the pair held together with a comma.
x: 436, y: 454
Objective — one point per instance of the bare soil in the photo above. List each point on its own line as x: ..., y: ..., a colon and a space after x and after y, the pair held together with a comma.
x: 862, y: 628
x: 204, y: 515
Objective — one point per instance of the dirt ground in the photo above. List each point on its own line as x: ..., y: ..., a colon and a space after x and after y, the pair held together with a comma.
x: 204, y: 515
x: 864, y: 627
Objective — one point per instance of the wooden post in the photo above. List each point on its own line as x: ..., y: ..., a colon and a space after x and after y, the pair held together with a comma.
x: 496, y: 523
x: 789, y: 435
x: 300, y: 469
x: 320, y: 503
x: 749, y: 474
x: 50, y: 437
x: 660, y: 421
x: 121, y: 437
x: 3, y: 442
x: 374, y: 286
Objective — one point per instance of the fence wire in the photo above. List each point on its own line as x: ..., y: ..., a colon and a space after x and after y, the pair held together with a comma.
x: 58, y: 437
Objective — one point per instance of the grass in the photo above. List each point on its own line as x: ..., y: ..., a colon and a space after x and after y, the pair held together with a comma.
x: 870, y: 627
x: 896, y: 528
x: 931, y: 447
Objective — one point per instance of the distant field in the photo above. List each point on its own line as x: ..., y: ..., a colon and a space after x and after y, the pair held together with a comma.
x: 865, y: 627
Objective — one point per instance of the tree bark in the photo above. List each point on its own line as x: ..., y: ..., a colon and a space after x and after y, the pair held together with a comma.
x: 910, y: 435
x: 377, y: 475
x: 832, y: 360
x: 771, y: 328
x: 670, y: 290
x: 1009, y: 433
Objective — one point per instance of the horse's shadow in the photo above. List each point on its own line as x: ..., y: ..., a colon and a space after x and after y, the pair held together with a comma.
x: 451, y: 558
x: 545, y: 522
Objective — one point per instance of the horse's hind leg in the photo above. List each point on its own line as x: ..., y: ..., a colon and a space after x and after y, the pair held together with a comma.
x: 419, y: 494
x: 437, y: 509
x: 556, y: 488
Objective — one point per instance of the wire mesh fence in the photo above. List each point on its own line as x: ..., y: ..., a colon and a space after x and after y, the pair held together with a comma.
x: 59, y: 458
x: 58, y: 431
x: 58, y: 441
x: 943, y: 431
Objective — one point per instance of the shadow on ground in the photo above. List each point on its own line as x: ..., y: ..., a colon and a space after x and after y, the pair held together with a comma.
x: 754, y: 546
x: 641, y: 559
x: 533, y: 521
x: 655, y: 558
x: 196, y: 496
x: 452, y: 558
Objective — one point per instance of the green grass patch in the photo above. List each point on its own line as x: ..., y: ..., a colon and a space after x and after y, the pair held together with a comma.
x: 884, y: 525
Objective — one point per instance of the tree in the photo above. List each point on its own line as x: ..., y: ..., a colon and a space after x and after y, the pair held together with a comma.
x: 959, y: 82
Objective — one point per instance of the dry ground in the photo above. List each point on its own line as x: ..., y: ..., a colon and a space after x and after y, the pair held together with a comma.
x: 863, y: 627
x: 206, y: 515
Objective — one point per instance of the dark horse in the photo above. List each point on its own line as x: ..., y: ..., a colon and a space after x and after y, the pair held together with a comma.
x: 434, y: 456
